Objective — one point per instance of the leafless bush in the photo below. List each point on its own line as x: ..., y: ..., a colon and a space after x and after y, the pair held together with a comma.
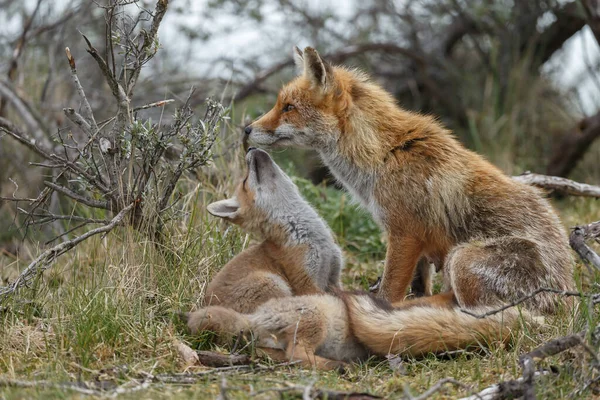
x: 117, y: 166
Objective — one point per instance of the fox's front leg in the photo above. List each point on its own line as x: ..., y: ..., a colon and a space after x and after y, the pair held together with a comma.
x: 403, y: 253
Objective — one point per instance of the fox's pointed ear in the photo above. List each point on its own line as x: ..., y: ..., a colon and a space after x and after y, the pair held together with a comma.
x: 315, y: 69
x: 298, y: 60
x: 227, y: 209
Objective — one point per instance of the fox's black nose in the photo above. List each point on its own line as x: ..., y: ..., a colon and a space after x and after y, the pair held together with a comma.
x: 250, y: 149
x: 248, y: 130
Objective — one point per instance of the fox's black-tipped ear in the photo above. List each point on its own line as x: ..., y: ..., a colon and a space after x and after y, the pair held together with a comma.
x: 298, y: 59
x: 315, y: 69
x: 227, y: 209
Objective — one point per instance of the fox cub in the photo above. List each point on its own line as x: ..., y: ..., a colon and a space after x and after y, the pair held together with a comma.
x: 327, y: 331
x: 298, y: 255
x: 495, y: 239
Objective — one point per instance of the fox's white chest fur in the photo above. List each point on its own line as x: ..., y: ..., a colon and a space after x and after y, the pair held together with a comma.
x: 358, y: 182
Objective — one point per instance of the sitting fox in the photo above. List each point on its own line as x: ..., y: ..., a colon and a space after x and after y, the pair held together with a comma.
x: 327, y: 331
x: 495, y: 239
x: 298, y: 255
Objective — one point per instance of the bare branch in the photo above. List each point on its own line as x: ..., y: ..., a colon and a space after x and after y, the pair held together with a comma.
x: 9, y: 128
x: 115, y: 87
x: 25, y: 112
x: 77, y: 197
x: 559, y: 184
x: 78, y: 120
x: 88, y: 113
x: 150, y: 40
x: 523, y: 299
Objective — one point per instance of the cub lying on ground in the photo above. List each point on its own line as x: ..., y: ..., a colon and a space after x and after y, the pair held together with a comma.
x: 327, y: 331
x: 298, y: 255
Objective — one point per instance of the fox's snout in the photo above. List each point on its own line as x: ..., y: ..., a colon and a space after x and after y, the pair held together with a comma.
x: 248, y: 130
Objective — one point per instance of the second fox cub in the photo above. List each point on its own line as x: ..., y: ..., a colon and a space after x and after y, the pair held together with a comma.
x: 326, y: 331
x: 496, y: 240
x: 298, y: 255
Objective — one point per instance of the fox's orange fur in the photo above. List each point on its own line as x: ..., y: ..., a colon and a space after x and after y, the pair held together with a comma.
x: 495, y: 239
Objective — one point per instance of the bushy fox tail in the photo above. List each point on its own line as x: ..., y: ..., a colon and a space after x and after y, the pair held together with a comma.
x: 223, y: 321
x: 421, y: 330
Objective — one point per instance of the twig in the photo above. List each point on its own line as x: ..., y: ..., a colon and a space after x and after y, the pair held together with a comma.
x: 523, y: 299
x: 88, y: 113
x: 44, y: 260
x: 78, y: 120
x: 558, y: 184
x: 77, y: 197
x: 161, y: 103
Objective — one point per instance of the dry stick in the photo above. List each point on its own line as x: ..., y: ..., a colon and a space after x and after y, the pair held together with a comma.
x: 78, y: 120
x: 558, y: 184
x: 43, y: 261
x: 523, y: 299
x: 150, y: 40
x: 77, y: 197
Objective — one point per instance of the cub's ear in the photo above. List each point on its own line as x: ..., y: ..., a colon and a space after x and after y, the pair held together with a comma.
x: 298, y: 60
x: 227, y: 209
x: 315, y: 69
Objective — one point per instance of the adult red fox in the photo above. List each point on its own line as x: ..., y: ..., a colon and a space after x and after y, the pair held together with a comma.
x: 298, y: 254
x: 495, y: 239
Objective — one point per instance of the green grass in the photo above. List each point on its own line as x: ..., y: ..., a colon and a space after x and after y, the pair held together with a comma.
x: 105, y: 312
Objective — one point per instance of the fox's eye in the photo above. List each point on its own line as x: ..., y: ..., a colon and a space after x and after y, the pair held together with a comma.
x: 288, y: 107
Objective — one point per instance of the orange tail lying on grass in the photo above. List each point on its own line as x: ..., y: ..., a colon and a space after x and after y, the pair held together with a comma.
x: 418, y: 331
x: 323, y: 330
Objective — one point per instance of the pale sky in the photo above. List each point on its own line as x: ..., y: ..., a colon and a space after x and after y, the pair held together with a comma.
x: 568, y: 68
